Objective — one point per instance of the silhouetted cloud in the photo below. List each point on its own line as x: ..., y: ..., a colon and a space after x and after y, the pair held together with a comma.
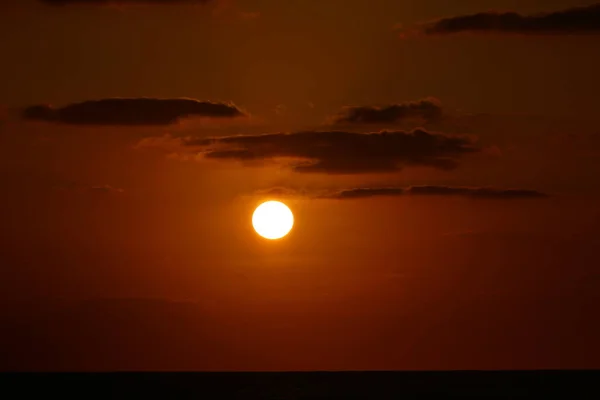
x: 278, y: 191
x: 338, y: 152
x: 476, y: 192
x: 120, y: 2
x: 394, y: 191
x: 131, y: 111
x: 106, y: 189
x: 569, y: 21
x: 429, y: 109
x: 358, y: 193
x: 67, y: 185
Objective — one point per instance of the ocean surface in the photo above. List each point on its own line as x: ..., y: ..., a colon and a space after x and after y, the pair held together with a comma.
x: 306, y: 385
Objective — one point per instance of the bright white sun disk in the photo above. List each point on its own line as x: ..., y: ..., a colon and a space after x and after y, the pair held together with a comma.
x: 272, y: 220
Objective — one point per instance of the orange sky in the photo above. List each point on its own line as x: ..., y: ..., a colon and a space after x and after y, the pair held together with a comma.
x: 126, y: 240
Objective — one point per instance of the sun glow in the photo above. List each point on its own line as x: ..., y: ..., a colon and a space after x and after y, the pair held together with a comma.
x: 272, y: 220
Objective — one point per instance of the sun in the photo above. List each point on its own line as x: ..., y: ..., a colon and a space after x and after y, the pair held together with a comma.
x: 272, y: 220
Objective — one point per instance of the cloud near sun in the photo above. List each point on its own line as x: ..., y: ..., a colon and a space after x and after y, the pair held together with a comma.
x: 429, y: 190
x: 578, y: 20
x: 337, y: 152
x: 131, y: 111
x: 475, y: 192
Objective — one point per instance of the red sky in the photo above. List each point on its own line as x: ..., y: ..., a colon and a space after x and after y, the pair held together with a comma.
x: 136, y: 140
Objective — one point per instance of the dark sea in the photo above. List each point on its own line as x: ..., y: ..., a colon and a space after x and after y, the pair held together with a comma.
x: 304, y: 385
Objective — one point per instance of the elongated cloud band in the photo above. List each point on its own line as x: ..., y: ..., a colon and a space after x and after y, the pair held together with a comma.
x: 337, y: 152
x: 120, y: 2
x: 429, y: 109
x: 367, y: 192
x: 569, y: 21
x: 131, y: 111
x: 476, y: 192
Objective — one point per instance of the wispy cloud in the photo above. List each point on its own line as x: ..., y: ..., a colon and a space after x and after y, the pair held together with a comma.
x: 474, y: 192
x: 391, y: 191
x: 338, y: 152
x: 121, y: 2
x: 106, y: 189
x: 131, y: 111
x: 429, y: 109
x: 578, y: 20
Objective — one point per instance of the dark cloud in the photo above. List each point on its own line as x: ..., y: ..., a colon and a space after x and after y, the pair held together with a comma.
x: 476, y: 192
x: 106, y: 189
x: 569, y: 21
x: 338, y: 152
x: 358, y: 193
x: 429, y: 109
x: 131, y: 111
x: 59, y: 184
x: 482, y: 192
x: 121, y: 2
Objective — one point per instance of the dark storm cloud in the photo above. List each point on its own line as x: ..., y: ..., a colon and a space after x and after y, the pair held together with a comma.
x: 476, y: 192
x: 338, y: 152
x: 122, y: 2
x: 131, y: 111
x: 429, y: 109
x: 569, y: 21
